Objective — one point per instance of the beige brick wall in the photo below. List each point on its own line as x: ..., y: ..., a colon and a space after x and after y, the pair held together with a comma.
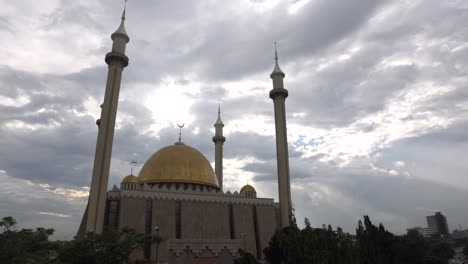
x: 205, y: 220
x: 200, y: 220
x: 164, y: 218
x: 132, y: 213
x: 267, y: 224
x: 243, y: 224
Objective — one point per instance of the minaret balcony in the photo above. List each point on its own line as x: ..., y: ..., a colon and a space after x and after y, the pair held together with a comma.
x: 117, y: 56
x: 278, y: 92
x: 219, y: 138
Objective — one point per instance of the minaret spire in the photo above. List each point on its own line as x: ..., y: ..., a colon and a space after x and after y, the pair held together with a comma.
x: 279, y: 95
x: 277, y: 70
x: 219, y: 121
x: 276, y: 52
x: 120, y: 32
x: 125, y: 8
x: 219, y: 139
x: 93, y: 220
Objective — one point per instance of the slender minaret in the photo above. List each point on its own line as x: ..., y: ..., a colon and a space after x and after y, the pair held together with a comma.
x: 117, y: 61
x: 279, y: 94
x: 219, y: 139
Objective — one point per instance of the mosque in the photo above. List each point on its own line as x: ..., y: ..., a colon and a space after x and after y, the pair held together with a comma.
x: 177, y: 194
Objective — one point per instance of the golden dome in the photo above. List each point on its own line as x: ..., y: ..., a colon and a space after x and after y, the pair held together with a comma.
x: 248, y: 189
x: 130, y: 179
x: 178, y: 163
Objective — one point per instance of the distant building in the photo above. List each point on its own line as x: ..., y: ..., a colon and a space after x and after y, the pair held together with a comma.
x: 431, y: 232
x: 418, y: 229
x: 438, y: 222
x: 460, y: 234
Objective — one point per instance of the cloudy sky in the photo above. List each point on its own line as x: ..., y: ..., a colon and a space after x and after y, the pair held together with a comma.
x: 377, y: 110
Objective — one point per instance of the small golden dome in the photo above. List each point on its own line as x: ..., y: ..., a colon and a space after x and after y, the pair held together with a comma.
x: 248, y: 189
x: 178, y: 163
x: 130, y: 179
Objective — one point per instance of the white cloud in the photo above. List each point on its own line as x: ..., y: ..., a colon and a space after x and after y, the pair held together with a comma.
x: 55, y: 214
x: 361, y: 87
x: 399, y: 163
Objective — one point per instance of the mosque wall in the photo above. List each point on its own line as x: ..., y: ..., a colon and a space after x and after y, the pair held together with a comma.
x: 250, y: 225
x: 204, y: 220
x: 132, y: 214
x: 267, y: 224
x: 244, y: 227
x: 164, y: 217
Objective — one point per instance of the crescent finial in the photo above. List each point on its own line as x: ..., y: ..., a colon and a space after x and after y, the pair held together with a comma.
x: 180, y: 125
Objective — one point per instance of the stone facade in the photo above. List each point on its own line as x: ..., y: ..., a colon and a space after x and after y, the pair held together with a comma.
x: 194, y: 223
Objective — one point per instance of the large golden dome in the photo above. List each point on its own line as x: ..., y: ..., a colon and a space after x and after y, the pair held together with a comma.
x: 178, y: 163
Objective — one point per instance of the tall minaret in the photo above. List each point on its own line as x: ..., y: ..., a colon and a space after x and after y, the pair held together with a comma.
x: 219, y: 139
x: 117, y: 61
x: 279, y: 94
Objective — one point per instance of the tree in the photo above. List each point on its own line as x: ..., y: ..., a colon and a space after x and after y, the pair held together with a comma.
x: 371, y: 245
x: 110, y: 247
x: 245, y: 258
x: 25, y: 245
x: 310, y: 245
x: 7, y: 223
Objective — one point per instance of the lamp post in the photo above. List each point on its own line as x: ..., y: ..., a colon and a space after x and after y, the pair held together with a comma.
x: 156, y: 229
x: 243, y: 240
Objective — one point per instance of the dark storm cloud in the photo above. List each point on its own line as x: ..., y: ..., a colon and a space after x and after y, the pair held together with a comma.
x: 32, y: 206
x: 346, y: 92
x: 4, y: 24
x: 353, y: 88
x: 50, y: 155
x: 443, y: 147
x: 398, y: 202
x: 61, y: 142
x: 328, y: 195
x: 198, y: 46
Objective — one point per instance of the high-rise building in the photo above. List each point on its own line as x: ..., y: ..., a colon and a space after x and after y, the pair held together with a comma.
x: 439, y: 223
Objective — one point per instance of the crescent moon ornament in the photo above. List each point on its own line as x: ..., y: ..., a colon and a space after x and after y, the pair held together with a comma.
x: 180, y: 125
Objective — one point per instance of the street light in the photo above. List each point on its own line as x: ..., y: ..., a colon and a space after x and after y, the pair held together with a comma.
x: 156, y: 229
x: 243, y: 240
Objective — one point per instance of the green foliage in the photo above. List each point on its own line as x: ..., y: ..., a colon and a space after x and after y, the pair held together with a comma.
x: 245, y: 258
x: 7, y: 223
x: 33, y: 246
x: 110, y: 247
x: 371, y: 245
x: 463, y: 244
x: 26, y: 245
x: 310, y: 245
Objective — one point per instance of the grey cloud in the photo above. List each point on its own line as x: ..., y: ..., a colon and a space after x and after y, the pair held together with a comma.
x: 181, y: 40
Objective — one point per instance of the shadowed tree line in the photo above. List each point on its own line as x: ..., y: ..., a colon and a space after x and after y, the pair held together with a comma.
x: 371, y: 245
x: 28, y: 246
